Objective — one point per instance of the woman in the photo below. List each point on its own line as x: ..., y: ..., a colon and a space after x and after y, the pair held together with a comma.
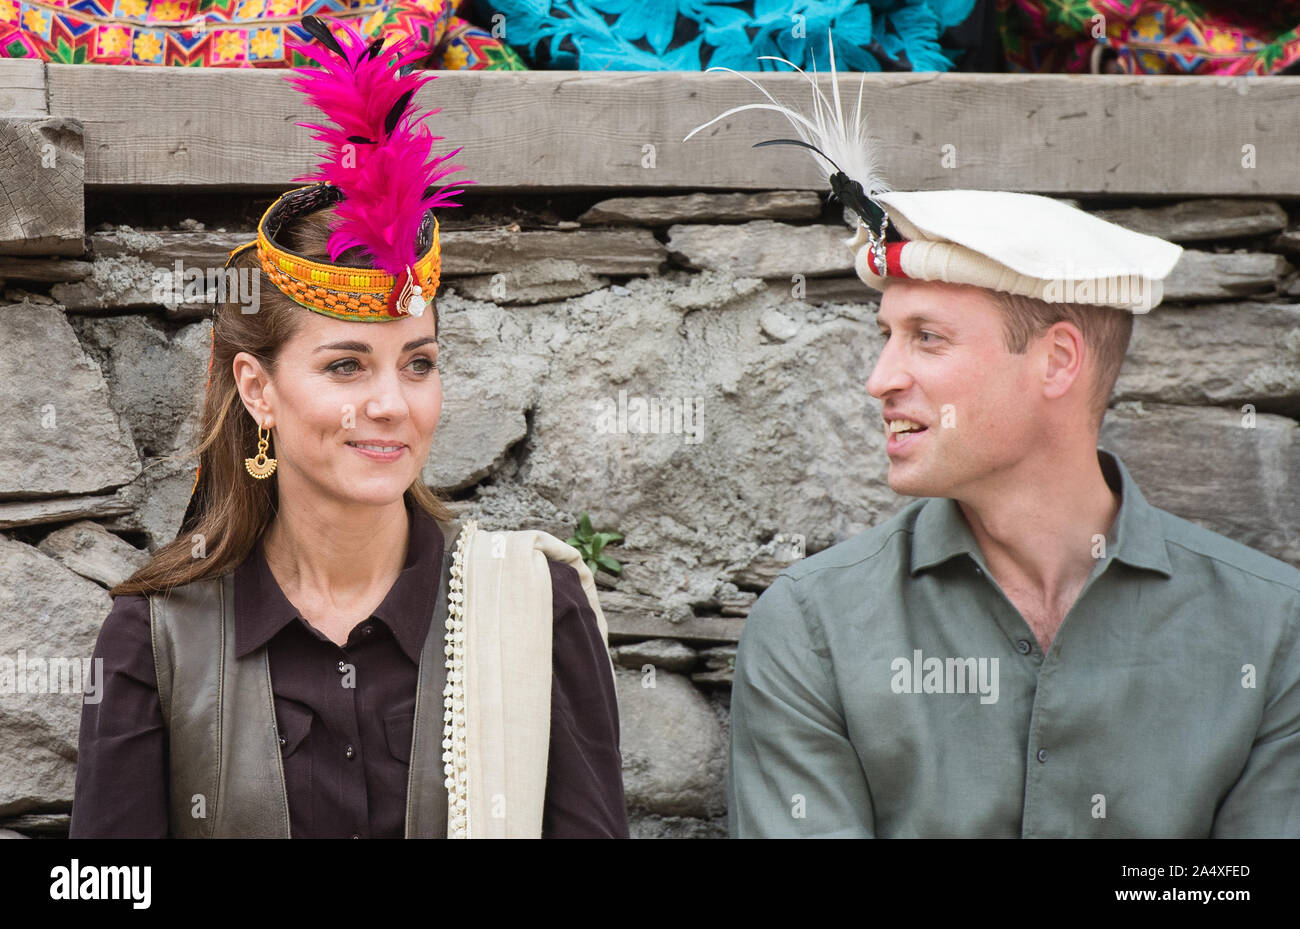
x: 321, y: 651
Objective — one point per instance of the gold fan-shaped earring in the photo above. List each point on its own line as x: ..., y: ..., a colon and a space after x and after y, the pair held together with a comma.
x: 261, y: 466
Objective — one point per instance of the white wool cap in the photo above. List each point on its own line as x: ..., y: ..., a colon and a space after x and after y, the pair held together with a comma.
x: 1020, y: 244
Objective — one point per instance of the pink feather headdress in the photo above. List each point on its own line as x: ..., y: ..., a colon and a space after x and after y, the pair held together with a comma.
x: 378, y: 152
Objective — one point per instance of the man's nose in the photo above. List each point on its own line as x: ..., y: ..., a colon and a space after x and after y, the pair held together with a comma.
x: 889, y: 373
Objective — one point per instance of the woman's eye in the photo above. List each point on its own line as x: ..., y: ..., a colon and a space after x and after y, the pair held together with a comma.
x: 342, y: 367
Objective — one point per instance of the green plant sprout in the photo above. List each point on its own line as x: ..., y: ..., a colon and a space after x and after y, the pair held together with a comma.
x: 591, y: 546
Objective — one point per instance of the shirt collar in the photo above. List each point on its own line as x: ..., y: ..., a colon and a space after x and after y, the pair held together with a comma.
x: 1137, y: 538
x: 262, y: 609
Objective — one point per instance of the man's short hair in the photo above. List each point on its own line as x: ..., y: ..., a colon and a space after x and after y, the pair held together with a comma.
x: 1106, y: 331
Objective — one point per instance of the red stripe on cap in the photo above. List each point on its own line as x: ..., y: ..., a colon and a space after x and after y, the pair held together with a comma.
x: 893, y: 259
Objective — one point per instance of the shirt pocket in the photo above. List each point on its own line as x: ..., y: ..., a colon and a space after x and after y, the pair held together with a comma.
x: 398, y: 729
x: 293, y: 721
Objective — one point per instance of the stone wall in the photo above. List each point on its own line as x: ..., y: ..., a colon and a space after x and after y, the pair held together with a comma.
x: 738, y: 310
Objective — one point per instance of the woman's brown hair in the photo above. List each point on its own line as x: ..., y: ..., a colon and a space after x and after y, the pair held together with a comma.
x: 238, y: 508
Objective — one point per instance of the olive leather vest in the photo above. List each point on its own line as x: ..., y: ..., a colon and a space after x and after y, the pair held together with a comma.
x: 225, y: 771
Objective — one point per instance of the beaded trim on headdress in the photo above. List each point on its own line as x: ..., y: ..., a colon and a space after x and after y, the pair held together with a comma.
x: 359, y: 294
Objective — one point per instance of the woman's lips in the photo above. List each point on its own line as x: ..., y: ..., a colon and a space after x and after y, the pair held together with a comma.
x: 377, y: 455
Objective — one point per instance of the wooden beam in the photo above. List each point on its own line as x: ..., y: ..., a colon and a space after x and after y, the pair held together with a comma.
x: 22, y: 87
x: 42, y: 208
x: 701, y: 630
x: 574, y: 130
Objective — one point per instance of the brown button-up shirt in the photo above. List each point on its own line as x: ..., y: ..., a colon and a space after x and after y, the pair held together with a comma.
x: 346, y: 748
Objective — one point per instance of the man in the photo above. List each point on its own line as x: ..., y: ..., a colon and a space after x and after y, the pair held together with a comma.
x: 1031, y: 649
x: 1034, y: 650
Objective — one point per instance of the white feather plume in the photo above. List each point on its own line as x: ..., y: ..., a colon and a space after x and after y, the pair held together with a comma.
x: 847, y: 145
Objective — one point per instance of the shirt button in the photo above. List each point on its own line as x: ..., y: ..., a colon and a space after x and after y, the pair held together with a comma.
x: 1042, y: 754
x: 367, y: 629
x: 1024, y: 646
x: 355, y: 836
x: 343, y: 667
x: 352, y: 754
x: 283, y: 741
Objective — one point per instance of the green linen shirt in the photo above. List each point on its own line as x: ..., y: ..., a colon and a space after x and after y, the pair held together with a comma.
x: 886, y: 687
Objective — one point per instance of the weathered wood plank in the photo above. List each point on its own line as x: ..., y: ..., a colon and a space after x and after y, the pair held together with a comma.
x: 465, y: 252
x: 543, y: 130
x: 16, y: 513
x: 705, y: 208
x: 44, y: 270
x: 22, y: 87
x: 42, y: 209
x: 701, y: 629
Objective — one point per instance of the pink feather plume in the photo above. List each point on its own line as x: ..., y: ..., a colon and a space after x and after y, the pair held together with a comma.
x: 384, y: 183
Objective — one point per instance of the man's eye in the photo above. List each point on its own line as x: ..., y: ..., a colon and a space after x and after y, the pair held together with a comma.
x: 925, y: 333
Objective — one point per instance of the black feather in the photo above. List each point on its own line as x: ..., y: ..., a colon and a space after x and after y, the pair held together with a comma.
x: 797, y: 142
x: 852, y: 195
x: 395, y: 114
x: 361, y: 140
x: 848, y: 190
x: 374, y: 48
x: 322, y: 32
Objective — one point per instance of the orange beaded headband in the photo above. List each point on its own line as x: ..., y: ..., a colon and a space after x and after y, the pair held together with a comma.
x: 359, y: 294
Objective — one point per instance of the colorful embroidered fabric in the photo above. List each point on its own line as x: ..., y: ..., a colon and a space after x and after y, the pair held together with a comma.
x: 691, y: 35
x: 1151, y: 36
x: 233, y: 33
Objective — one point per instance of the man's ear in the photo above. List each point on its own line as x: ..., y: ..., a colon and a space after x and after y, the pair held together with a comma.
x: 1063, y: 358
